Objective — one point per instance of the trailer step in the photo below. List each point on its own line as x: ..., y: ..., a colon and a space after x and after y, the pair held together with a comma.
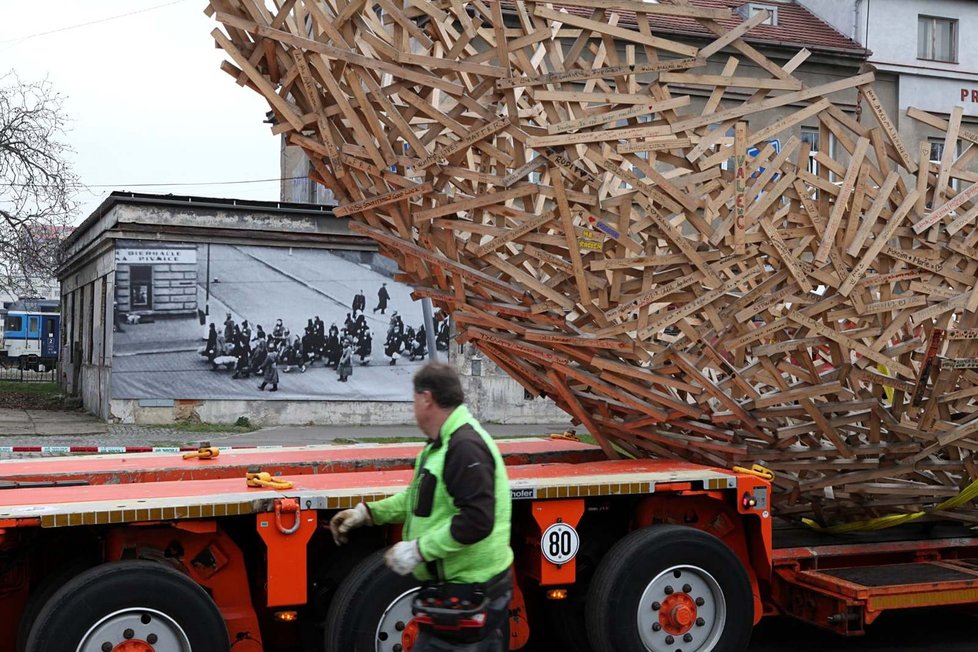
x: 847, y: 599
x: 899, y: 575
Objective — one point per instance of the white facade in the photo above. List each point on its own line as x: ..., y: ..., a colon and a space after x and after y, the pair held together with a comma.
x: 925, y: 45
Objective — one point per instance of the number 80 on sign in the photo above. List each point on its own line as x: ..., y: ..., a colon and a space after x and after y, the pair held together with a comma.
x: 560, y: 543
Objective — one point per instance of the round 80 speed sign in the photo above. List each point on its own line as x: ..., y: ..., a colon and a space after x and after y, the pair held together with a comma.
x: 560, y: 543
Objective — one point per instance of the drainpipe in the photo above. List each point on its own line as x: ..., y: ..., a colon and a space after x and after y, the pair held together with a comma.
x: 866, y: 35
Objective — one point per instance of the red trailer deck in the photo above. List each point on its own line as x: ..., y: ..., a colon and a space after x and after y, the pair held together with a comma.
x: 273, y: 577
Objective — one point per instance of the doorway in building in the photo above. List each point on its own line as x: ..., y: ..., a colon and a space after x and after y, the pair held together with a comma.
x: 141, y: 287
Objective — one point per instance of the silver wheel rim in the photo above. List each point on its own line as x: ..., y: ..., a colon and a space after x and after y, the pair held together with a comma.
x: 682, y: 609
x: 392, y: 623
x: 136, y: 624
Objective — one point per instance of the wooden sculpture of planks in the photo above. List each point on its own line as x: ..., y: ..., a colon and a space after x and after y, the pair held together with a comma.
x: 541, y: 172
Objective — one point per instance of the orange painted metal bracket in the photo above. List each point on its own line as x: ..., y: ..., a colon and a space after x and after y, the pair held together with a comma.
x: 286, y: 534
x: 550, y: 515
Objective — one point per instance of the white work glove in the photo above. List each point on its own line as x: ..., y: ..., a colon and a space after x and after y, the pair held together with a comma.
x: 348, y: 519
x: 403, y: 557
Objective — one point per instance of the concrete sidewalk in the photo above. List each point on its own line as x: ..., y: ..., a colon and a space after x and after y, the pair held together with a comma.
x: 46, y: 423
x: 64, y: 428
x: 304, y: 435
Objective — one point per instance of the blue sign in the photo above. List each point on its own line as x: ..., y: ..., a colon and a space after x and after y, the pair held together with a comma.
x: 754, y: 151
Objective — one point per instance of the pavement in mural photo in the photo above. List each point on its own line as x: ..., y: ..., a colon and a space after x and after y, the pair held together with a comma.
x: 160, y: 359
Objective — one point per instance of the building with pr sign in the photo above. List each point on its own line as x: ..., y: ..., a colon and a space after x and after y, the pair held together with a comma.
x: 924, y: 46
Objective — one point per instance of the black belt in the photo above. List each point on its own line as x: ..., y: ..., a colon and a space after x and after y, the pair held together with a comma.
x: 498, y: 585
x: 495, y: 587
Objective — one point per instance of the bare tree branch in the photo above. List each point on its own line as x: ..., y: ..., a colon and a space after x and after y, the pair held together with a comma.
x: 37, y: 185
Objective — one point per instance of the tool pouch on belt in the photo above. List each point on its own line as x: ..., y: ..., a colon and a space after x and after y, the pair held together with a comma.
x: 458, y: 613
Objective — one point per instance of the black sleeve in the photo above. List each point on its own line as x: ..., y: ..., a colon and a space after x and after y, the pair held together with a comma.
x: 469, y: 476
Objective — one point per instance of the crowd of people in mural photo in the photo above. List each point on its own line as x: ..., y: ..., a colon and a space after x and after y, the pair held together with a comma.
x: 256, y: 352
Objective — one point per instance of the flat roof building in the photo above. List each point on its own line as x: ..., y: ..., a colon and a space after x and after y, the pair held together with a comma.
x: 214, y: 309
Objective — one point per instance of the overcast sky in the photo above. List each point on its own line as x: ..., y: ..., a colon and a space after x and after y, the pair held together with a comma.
x: 145, y: 95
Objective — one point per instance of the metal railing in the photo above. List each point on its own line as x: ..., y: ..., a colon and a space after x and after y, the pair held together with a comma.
x: 28, y: 369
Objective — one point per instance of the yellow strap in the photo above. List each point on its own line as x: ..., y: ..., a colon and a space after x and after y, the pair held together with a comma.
x: 265, y: 480
x: 203, y: 454
x: 756, y: 470
x: 567, y: 435
x: 886, y: 388
x: 881, y: 523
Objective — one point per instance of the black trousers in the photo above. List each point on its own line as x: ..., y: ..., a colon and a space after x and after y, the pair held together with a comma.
x: 497, y: 627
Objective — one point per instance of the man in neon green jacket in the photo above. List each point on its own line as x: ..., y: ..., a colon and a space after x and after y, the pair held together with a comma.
x: 456, y: 511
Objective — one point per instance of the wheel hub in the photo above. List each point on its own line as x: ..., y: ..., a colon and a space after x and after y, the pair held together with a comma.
x: 134, y: 646
x: 682, y: 608
x: 396, y: 631
x: 678, y: 613
x: 135, y: 629
x: 410, y: 635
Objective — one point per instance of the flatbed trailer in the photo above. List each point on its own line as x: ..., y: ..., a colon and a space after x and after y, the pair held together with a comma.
x: 129, y: 553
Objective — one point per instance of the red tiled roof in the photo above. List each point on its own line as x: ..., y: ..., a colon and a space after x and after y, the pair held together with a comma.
x: 797, y: 26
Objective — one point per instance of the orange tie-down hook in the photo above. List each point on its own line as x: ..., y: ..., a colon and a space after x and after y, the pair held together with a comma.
x: 287, y: 506
x: 204, y: 452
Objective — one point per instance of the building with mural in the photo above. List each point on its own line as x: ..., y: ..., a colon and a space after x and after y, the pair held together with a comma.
x: 214, y: 309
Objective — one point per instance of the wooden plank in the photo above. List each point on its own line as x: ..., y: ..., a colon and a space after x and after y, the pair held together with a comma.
x: 787, y: 256
x: 729, y: 81
x: 600, y: 119
x: 862, y: 349
x: 370, y: 203
x: 514, y: 234
x: 879, y: 244
x: 735, y: 33
x: 584, y: 74
x: 619, y: 33
x: 876, y: 106
x: 495, y: 197
x: 647, y: 8
x: 465, y: 141
x: 740, y: 186
x: 841, y: 202
x: 773, y: 103
x: 945, y: 209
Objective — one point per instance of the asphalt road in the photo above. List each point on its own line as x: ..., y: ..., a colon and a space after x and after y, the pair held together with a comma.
x: 923, y: 630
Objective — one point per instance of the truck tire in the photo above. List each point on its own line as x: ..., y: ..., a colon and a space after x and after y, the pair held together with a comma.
x: 667, y: 588
x: 129, y: 601
x: 40, y: 595
x: 370, y: 609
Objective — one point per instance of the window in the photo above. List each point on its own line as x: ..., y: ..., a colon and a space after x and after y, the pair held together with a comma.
x: 140, y: 287
x: 937, y: 39
x: 33, y: 326
x: 810, y: 135
x: 937, y: 153
x: 751, y: 9
x: 14, y: 324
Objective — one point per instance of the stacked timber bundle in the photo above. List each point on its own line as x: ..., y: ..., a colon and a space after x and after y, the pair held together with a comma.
x: 537, y: 170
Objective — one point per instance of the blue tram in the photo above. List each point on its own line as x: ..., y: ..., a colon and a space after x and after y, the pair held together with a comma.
x: 32, y: 332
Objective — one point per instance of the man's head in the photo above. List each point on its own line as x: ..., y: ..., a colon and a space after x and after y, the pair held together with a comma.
x: 437, y: 392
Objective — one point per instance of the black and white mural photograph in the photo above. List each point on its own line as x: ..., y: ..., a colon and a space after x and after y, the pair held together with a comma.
x: 220, y: 321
